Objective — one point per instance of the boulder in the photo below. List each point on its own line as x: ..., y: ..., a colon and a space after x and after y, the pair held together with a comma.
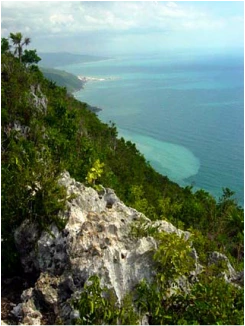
x: 96, y: 240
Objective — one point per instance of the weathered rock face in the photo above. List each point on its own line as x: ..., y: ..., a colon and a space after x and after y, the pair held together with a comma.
x: 230, y: 275
x: 38, y: 99
x: 96, y: 240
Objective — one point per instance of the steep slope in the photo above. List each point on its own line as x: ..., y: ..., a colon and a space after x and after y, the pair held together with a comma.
x: 45, y: 131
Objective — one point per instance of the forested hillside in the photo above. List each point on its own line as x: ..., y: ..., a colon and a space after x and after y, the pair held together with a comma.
x: 63, y: 79
x: 46, y: 131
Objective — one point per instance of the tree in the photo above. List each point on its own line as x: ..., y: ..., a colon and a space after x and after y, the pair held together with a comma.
x: 30, y: 57
x: 19, y: 42
x: 4, y: 45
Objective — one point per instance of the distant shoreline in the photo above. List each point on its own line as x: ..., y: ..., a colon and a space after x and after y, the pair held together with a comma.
x: 87, y: 79
x: 84, y: 80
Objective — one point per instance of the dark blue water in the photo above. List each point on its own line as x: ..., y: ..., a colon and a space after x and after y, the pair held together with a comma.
x: 185, y: 113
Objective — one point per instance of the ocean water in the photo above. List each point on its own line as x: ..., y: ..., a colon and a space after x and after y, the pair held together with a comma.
x: 184, y: 112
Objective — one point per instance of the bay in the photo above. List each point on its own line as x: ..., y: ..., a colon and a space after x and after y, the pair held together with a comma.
x: 184, y: 113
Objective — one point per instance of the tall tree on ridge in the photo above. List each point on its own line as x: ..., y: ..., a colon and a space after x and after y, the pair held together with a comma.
x: 19, y: 42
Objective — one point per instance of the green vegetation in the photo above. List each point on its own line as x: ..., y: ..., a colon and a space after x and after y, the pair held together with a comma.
x: 98, y: 306
x: 208, y: 301
x: 94, y: 174
x: 18, y: 42
x: 46, y: 131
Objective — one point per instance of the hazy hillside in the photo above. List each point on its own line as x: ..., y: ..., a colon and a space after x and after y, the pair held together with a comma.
x: 69, y: 81
x: 63, y: 79
x: 57, y: 59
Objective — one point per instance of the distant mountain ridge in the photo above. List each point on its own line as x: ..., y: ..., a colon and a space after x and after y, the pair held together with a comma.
x: 63, y: 79
x: 57, y: 59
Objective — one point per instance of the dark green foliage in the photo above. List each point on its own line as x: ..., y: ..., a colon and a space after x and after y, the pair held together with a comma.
x: 29, y: 188
x: 4, y: 45
x: 211, y: 301
x: 29, y: 171
x: 30, y: 57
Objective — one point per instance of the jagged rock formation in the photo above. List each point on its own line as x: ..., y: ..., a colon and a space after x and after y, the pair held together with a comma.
x: 38, y: 99
x: 96, y: 240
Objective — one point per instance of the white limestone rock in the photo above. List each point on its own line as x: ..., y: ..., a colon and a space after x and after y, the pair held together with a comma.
x: 97, y: 240
x: 38, y: 99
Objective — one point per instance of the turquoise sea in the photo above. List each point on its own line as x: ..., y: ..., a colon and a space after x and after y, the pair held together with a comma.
x: 185, y: 112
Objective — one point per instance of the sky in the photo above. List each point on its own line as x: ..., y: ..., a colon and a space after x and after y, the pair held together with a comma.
x: 126, y: 27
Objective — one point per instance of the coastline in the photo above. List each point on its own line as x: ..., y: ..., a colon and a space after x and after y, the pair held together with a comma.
x: 84, y: 80
x: 204, y: 179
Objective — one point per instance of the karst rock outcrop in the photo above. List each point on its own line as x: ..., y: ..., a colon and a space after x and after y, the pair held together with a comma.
x: 97, y: 240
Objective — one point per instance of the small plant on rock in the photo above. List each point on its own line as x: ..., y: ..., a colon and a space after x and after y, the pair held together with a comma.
x: 94, y: 174
x: 98, y: 306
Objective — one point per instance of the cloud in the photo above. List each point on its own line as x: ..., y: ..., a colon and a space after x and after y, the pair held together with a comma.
x: 57, y: 19
x: 87, y: 15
